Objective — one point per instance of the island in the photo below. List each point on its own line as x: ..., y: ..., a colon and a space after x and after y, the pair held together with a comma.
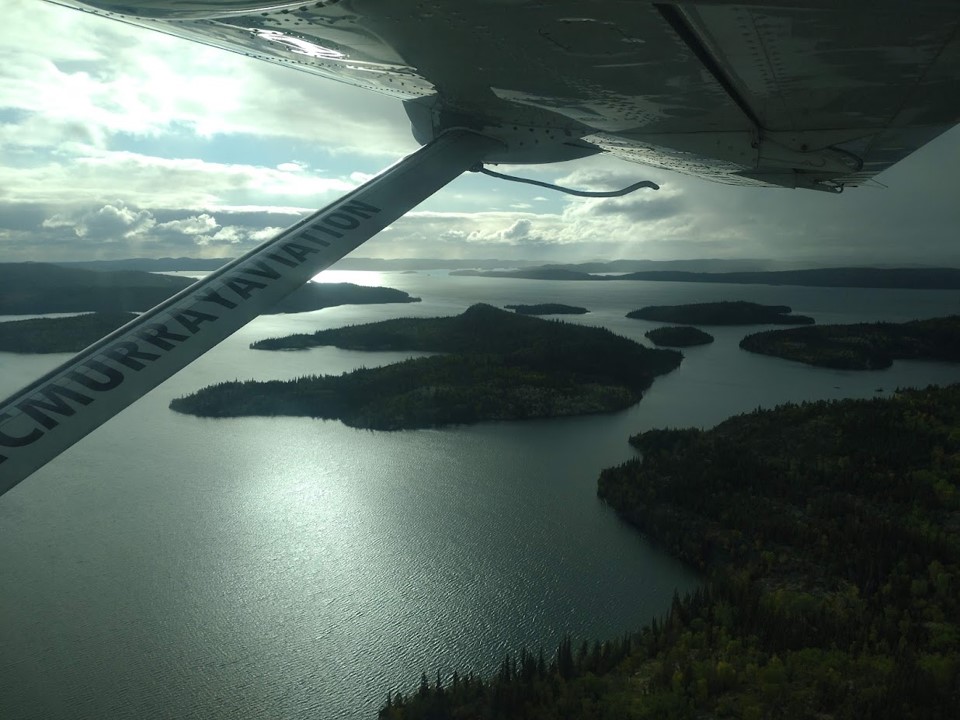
x: 862, y: 346
x: 678, y: 336
x: 316, y: 296
x: 59, y: 335
x: 727, y: 312
x: 38, y: 288
x: 828, y: 536
x: 547, y: 309
x: 495, y: 365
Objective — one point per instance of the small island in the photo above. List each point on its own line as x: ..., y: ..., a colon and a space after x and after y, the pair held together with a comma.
x: 59, y: 335
x: 678, y: 336
x: 316, y: 296
x: 496, y: 366
x: 737, y: 312
x: 547, y: 309
x: 862, y: 346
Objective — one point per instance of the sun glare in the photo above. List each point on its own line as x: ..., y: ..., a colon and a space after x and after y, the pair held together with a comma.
x: 357, y: 277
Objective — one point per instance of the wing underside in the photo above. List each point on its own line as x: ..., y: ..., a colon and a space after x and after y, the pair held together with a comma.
x: 811, y: 94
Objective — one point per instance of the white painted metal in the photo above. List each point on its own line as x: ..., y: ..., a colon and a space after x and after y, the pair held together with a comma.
x: 53, y: 413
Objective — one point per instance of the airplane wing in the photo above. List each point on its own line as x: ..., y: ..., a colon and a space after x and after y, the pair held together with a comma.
x: 817, y: 94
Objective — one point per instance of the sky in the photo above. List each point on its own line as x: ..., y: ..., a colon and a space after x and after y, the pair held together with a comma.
x: 120, y: 142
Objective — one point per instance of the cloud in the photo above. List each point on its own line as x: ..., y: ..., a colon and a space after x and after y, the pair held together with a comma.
x: 519, y: 230
x: 78, y: 175
x: 197, y: 225
x: 118, y: 230
x: 639, y: 209
x: 109, y: 151
x: 108, y: 223
x: 93, y: 78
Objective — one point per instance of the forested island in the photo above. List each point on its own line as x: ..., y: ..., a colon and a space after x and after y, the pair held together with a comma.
x: 727, y: 312
x: 316, y: 296
x: 498, y: 366
x: 37, y: 288
x: 59, y: 335
x: 547, y: 309
x: 678, y: 336
x: 862, y: 346
x: 829, y: 538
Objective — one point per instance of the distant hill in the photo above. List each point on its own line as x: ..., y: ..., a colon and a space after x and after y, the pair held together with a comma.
x: 34, y: 288
x: 715, y: 265
x: 540, y: 273
x: 166, y: 264
x: 902, y: 278
x: 37, y: 288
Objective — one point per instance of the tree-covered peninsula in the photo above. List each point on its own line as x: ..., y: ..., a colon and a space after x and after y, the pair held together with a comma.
x: 829, y: 537
x: 59, y: 335
x: 497, y: 366
x: 547, y: 309
x: 678, y: 336
x: 727, y: 312
x: 862, y: 346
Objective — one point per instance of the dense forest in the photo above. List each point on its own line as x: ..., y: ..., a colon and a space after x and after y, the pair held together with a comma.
x: 862, y: 346
x: 727, y: 312
x: 500, y: 366
x: 681, y: 336
x: 547, y: 309
x: 829, y: 539
x: 59, y: 335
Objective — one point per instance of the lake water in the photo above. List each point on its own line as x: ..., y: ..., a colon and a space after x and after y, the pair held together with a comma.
x: 171, y: 566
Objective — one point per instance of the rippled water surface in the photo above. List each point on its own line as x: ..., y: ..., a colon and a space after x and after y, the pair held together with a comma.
x: 291, y: 568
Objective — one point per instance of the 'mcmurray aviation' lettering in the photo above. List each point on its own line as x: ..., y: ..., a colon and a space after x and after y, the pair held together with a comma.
x: 45, y: 418
x: 47, y: 406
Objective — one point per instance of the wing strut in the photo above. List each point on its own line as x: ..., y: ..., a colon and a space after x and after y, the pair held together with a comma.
x: 54, y: 412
